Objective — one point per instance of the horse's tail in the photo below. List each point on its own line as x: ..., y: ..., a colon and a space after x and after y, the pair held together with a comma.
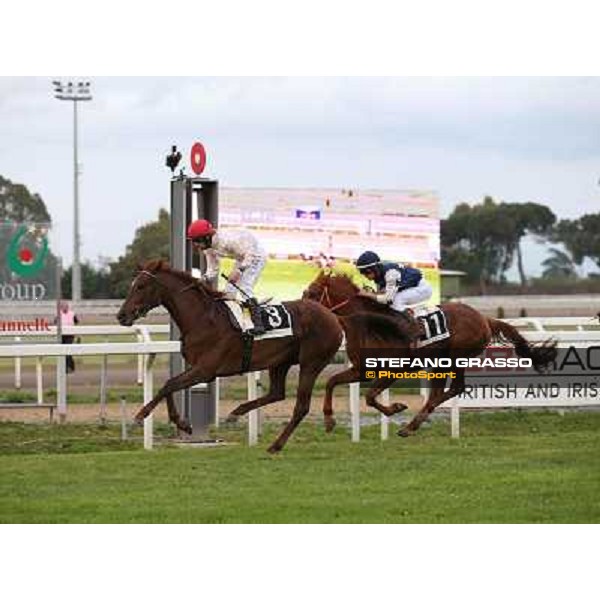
x: 541, y: 354
x: 364, y: 328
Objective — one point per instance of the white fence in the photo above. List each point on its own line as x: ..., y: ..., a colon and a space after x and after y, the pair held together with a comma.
x: 559, y: 305
x: 521, y: 398
x: 146, y: 350
x: 142, y: 333
x: 557, y: 323
x: 534, y: 329
x: 145, y: 333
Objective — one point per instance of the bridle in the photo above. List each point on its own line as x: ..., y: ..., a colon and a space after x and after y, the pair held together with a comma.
x: 326, y: 298
x: 185, y: 288
x: 139, y: 313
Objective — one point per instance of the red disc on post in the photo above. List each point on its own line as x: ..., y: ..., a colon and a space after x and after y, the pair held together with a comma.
x: 198, y: 158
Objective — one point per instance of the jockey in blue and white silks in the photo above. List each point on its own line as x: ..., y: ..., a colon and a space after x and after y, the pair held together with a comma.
x: 398, y: 286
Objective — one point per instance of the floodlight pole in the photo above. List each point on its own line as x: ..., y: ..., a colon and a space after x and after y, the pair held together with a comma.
x: 76, y: 267
x: 74, y: 93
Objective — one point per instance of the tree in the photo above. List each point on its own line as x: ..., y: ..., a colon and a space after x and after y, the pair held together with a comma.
x: 95, y: 282
x: 527, y: 218
x: 559, y: 265
x: 581, y: 237
x: 478, y: 239
x: 150, y: 241
x: 484, y: 239
x: 19, y: 205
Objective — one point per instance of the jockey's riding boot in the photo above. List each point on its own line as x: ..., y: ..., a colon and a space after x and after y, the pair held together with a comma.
x: 413, y: 330
x: 256, y: 316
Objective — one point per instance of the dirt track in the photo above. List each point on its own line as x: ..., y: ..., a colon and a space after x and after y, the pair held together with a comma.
x: 85, y: 380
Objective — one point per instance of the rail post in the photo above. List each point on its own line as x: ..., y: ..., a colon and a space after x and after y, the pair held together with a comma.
x: 253, y: 414
x: 148, y: 394
x: 385, y: 421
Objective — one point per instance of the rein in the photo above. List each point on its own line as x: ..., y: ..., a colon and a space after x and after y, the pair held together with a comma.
x: 185, y: 288
x: 247, y: 339
x: 325, y: 297
x: 143, y: 312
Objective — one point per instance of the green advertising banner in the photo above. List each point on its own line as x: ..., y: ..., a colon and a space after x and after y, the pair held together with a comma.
x: 28, y: 266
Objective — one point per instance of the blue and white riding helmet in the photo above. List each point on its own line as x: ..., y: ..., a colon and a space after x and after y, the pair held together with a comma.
x: 367, y: 260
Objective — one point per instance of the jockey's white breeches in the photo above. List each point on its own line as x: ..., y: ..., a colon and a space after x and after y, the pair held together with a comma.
x: 414, y: 295
x: 249, y: 276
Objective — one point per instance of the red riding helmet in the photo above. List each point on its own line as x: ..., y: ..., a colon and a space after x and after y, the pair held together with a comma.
x: 200, y: 228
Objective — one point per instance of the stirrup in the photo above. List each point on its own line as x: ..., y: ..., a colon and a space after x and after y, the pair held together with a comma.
x: 256, y: 316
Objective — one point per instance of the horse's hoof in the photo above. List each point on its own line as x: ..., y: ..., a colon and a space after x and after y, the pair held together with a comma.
x: 231, y: 419
x: 138, y: 421
x: 185, y: 427
x: 404, y: 432
x: 330, y: 425
x: 273, y: 449
x: 398, y: 407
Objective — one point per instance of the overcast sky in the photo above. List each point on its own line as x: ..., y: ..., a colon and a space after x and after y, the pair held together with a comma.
x: 516, y: 139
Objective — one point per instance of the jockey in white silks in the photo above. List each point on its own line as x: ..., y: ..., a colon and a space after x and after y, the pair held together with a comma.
x: 398, y: 286
x: 239, y: 244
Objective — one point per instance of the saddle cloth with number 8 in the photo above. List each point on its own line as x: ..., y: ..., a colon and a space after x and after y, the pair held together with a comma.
x: 276, y: 318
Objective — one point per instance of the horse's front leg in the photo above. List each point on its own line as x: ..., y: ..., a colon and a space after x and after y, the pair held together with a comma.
x: 350, y: 375
x: 436, y: 397
x: 174, y: 417
x: 189, y: 377
x: 277, y: 377
x: 306, y: 383
x: 378, y: 386
x: 457, y: 386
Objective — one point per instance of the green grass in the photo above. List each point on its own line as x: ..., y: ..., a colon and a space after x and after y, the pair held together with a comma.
x: 507, y: 467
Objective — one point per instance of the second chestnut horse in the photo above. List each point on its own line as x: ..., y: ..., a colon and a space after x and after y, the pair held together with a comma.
x: 368, y: 324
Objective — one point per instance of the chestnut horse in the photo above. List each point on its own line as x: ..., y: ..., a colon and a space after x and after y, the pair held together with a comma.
x: 369, y: 324
x: 212, y: 347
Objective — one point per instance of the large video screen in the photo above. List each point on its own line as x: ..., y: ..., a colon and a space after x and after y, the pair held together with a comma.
x: 306, y: 229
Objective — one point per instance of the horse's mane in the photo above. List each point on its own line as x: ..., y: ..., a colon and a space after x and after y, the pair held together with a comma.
x: 340, y: 282
x: 157, y: 265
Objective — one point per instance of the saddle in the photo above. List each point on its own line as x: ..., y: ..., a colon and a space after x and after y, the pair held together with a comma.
x: 424, y: 325
x: 276, y: 322
x: 275, y: 317
x: 414, y: 327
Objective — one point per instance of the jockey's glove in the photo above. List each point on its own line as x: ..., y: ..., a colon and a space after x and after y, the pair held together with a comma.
x: 205, y: 278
